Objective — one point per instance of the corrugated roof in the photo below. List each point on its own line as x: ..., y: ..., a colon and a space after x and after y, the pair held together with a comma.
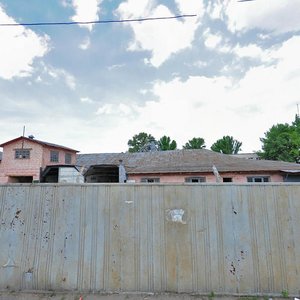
x: 39, y: 142
x: 182, y: 161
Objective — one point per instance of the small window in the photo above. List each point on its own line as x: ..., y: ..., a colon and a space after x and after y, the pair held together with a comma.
x: 150, y: 180
x: 258, y: 179
x: 54, y: 156
x: 22, y: 154
x: 195, y: 179
x: 227, y: 179
x: 68, y: 158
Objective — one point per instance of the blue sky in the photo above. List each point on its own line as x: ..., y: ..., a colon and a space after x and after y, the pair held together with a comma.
x: 232, y: 70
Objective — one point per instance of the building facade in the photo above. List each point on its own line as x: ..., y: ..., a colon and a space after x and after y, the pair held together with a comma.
x: 30, y: 160
x: 184, y: 166
x: 25, y: 159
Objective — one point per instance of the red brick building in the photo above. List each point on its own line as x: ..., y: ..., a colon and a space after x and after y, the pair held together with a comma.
x: 25, y: 159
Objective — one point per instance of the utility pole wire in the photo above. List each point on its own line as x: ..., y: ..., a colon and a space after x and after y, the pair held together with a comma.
x: 96, y: 22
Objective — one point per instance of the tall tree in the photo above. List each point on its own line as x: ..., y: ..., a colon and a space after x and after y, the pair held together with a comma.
x: 195, y: 143
x: 227, y: 145
x: 165, y: 143
x: 141, y: 142
x: 282, y: 142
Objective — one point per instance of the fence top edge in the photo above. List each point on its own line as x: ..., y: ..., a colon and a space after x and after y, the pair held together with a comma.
x: 150, y: 184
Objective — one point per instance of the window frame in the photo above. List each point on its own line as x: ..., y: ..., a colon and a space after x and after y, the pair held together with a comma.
x: 227, y: 179
x: 150, y: 180
x: 68, y: 158
x: 54, y: 156
x: 20, y: 152
x: 195, y: 179
x: 263, y: 179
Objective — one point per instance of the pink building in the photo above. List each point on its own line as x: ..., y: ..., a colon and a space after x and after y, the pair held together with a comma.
x: 184, y: 166
x: 25, y: 159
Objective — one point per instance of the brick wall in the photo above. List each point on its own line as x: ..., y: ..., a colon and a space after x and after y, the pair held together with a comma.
x: 210, y: 178
x: 11, y: 167
x: 61, y: 155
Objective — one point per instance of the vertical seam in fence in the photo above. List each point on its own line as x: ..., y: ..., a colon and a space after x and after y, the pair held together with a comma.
x: 106, y: 256
x: 39, y: 225
x: 254, y: 245
x: 137, y: 243
x: 220, y: 243
x: 292, y: 233
x: 235, y: 246
x: 280, y: 242
x: 80, y: 276
x: 51, y: 238
x: 165, y: 273
x: 150, y: 240
x: 95, y: 216
x: 193, y: 239
x: 25, y: 240
x: 267, y: 238
x: 207, y: 245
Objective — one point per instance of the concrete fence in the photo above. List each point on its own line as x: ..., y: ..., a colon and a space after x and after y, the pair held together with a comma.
x: 225, y: 239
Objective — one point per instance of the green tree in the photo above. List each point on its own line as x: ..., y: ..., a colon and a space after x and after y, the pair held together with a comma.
x: 282, y: 142
x: 227, y: 145
x: 141, y: 142
x: 165, y: 143
x: 195, y: 143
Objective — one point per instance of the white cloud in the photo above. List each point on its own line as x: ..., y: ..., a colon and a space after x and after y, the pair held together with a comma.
x: 86, y: 10
x: 276, y: 16
x: 212, y: 40
x: 158, y: 36
x: 58, y: 74
x: 252, y: 51
x: 215, y: 9
x: 19, y: 48
x: 200, y: 64
x: 190, y: 6
x: 209, y: 107
x: 85, y: 44
x: 215, y: 41
x: 86, y: 100
x: 216, y: 106
x: 113, y: 110
x: 116, y: 66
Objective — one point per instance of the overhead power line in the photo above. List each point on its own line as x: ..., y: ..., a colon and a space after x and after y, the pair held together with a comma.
x: 96, y: 22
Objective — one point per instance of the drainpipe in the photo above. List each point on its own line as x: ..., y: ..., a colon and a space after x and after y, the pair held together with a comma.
x: 122, y: 172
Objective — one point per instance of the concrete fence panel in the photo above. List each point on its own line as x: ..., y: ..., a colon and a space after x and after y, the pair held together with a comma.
x: 225, y: 239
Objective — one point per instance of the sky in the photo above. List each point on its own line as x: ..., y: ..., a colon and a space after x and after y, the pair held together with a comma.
x: 233, y: 69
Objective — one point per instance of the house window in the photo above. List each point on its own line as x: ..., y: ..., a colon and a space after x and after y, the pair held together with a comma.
x: 68, y: 158
x: 54, y: 156
x: 195, y: 179
x: 258, y: 179
x: 22, y: 153
x: 227, y: 179
x: 150, y: 180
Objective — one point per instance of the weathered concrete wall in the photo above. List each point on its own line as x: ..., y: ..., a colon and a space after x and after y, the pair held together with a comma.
x: 226, y: 239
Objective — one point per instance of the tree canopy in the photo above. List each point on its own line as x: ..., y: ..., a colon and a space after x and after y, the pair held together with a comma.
x: 282, y: 142
x: 165, y: 143
x: 140, y: 142
x: 227, y: 145
x: 144, y: 142
x: 195, y: 143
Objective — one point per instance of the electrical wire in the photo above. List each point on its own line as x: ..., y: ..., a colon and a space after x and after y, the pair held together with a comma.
x: 96, y: 22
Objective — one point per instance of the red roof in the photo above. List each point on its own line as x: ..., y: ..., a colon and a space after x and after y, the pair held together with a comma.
x: 38, y: 142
